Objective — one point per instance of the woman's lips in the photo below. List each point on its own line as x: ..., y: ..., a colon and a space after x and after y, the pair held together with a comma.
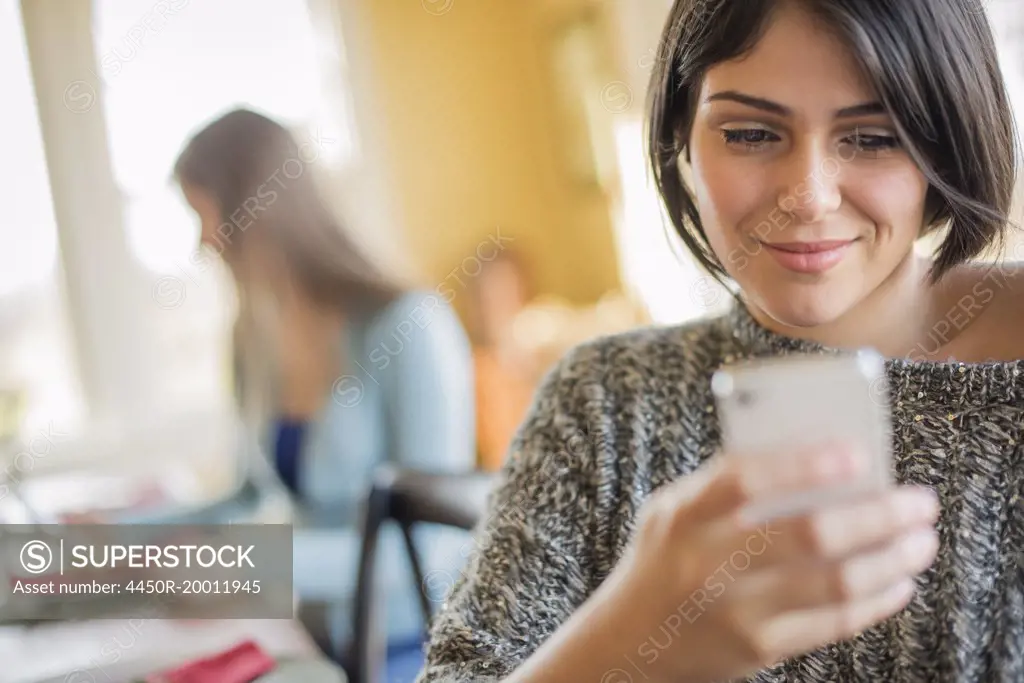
x: 808, y: 257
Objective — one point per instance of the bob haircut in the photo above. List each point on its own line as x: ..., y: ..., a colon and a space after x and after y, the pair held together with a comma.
x: 934, y: 68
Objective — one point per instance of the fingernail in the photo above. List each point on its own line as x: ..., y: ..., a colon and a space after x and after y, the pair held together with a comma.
x: 920, y: 546
x: 850, y: 460
x: 830, y: 466
x: 916, y: 504
x: 929, y: 503
x: 834, y: 463
x: 902, y: 591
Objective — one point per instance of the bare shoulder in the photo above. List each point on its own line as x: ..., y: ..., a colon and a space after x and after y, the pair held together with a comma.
x: 1005, y: 279
x: 992, y: 295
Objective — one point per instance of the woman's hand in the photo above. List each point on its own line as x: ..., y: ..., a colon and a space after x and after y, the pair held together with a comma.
x: 705, y: 595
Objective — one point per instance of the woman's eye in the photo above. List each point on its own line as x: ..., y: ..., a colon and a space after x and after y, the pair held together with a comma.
x: 872, y: 143
x: 748, y: 137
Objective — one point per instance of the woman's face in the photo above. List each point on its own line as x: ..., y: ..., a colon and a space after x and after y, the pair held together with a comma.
x: 208, y: 211
x: 806, y: 196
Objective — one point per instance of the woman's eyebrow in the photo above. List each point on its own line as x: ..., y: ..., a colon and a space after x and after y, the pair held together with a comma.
x: 864, y: 109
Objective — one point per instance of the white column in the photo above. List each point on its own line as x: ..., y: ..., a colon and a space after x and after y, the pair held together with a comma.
x: 109, y: 297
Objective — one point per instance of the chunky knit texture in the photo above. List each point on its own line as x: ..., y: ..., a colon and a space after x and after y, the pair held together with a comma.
x: 621, y: 416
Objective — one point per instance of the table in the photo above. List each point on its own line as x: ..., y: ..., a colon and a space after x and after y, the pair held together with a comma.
x: 122, y: 651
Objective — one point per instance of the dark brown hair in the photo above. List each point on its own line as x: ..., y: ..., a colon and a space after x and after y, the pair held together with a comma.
x: 933, y: 64
x: 262, y: 182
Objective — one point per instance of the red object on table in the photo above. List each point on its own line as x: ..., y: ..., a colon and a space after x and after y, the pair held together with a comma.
x: 241, y: 664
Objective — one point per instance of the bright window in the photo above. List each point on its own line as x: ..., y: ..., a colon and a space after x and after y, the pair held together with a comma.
x: 36, y: 356
x: 655, y: 265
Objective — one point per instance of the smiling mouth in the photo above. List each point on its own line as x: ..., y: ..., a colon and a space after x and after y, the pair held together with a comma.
x: 809, y: 257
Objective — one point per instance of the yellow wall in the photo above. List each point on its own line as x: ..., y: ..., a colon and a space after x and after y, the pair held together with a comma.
x: 472, y: 144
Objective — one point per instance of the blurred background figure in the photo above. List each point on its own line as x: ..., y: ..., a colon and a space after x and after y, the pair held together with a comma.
x: 506, y: 370
x: 340, y: 370
x: 517, y: 335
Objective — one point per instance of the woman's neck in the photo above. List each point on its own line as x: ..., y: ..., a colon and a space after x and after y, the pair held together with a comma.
x: 896, y: 319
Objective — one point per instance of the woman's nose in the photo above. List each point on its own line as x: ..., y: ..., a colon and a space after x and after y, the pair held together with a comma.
x: 811, y: 186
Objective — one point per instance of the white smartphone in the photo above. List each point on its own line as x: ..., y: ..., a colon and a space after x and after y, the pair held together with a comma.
x: 775, y: 405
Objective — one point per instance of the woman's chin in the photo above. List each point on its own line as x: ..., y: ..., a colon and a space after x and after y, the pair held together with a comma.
x: 803, y: 311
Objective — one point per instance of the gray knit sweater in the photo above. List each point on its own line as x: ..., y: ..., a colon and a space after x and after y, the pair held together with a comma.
x: 622, y: 416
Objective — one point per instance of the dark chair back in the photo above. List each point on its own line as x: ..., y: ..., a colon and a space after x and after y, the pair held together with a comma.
x: 407, y: 497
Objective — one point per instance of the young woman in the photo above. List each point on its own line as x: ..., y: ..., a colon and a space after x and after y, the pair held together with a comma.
x: 339, y: 369
x: 801, y: 149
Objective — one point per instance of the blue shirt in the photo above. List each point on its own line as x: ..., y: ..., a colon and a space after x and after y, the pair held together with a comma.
x: 407, y: 398
x: 287, y: 451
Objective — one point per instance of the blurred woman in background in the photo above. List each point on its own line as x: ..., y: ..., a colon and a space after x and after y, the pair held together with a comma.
x: 339, y: 369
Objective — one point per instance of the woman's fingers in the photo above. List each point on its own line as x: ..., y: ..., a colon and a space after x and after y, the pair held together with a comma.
x: 813, y: 577
x: 848, y: 581
x: 731, y: 483
x: 836, y: 532
x: 793, y: 633
x: 788, y: 609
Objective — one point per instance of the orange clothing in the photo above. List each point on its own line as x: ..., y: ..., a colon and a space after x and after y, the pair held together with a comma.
x: 502, y: 398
